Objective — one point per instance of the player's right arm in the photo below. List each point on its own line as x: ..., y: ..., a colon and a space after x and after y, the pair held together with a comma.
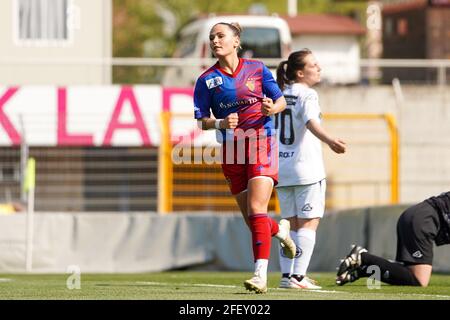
x: 230, y: 122
x: 202, y: 110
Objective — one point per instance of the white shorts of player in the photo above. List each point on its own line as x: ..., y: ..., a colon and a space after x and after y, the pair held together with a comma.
x: 307, y: 201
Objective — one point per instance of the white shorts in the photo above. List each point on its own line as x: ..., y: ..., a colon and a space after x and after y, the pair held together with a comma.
x: 305, y: 202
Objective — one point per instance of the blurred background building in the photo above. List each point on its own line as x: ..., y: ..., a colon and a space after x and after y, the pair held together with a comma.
x: 416, y: 30
x: 335, y: 41
x: 55, y: 42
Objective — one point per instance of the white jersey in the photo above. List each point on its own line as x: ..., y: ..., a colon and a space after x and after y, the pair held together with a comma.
x: 300, y: 152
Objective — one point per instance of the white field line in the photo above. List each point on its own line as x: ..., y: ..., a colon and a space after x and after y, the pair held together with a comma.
x: 302, y: 290
x: 5, y: 280
x: 425, y: 295
x: 186, y: 284
x: 220, y: 286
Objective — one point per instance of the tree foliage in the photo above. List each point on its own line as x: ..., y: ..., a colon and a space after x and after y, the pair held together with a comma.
x: 139, y: 25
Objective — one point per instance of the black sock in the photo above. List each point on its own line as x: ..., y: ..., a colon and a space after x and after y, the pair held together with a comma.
x: 298, y: 277
x: 391, y: 272
x: 286, y: 275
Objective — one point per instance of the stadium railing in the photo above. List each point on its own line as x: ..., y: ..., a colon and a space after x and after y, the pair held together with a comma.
x: 417, y: 71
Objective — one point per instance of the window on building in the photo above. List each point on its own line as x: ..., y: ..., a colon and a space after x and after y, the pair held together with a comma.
x: 402, y: 27
x: 41, y: 20
x: 388, y: 27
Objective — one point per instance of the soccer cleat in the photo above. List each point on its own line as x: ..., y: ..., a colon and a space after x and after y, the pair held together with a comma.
x: 349, y: 265
x: 287, y: 244
x: 305, y: 283
x: 348, y: 276
x: 285, y: 283
x: 256, y: 284
x: 351, y: 261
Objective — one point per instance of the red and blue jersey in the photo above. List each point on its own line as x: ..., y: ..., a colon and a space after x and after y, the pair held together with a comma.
x: 242, y: 92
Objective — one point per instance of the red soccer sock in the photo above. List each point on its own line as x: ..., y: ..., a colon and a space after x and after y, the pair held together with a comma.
x: 260, y: 226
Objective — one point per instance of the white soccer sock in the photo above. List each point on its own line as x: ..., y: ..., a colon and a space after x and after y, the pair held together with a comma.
x: 286, y: 264
x: 305, y: 240
x: 261, y: 268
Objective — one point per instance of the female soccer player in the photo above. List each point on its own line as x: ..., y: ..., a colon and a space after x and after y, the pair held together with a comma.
x: 242, y: 96
x: 417, y: 228
x: 301, y: 187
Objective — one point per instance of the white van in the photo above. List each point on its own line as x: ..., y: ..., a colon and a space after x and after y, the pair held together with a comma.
x: 262, y: 37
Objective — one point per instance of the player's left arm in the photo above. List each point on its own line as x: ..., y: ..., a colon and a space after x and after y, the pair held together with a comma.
x: 310, y: 113
x: 269, y: 107
x: 337, y: 145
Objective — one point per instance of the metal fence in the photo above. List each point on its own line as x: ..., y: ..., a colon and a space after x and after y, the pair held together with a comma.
x: 85, y: 178
x: 153, y: 70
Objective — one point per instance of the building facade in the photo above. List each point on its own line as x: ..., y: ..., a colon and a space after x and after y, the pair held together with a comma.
x: 55, y: 42
x: 417, y: 29
x: 334, y: 40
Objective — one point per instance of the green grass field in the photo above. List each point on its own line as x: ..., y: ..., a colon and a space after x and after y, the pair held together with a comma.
x: 197, y: 285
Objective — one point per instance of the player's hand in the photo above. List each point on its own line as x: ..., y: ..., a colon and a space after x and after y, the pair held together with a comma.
x: 230, y: 121
x: 338, y: 146
x: 267, y: 107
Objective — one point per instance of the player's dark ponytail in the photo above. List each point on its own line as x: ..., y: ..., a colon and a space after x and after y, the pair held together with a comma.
x: 286, y: 71
x: 281, y: 74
